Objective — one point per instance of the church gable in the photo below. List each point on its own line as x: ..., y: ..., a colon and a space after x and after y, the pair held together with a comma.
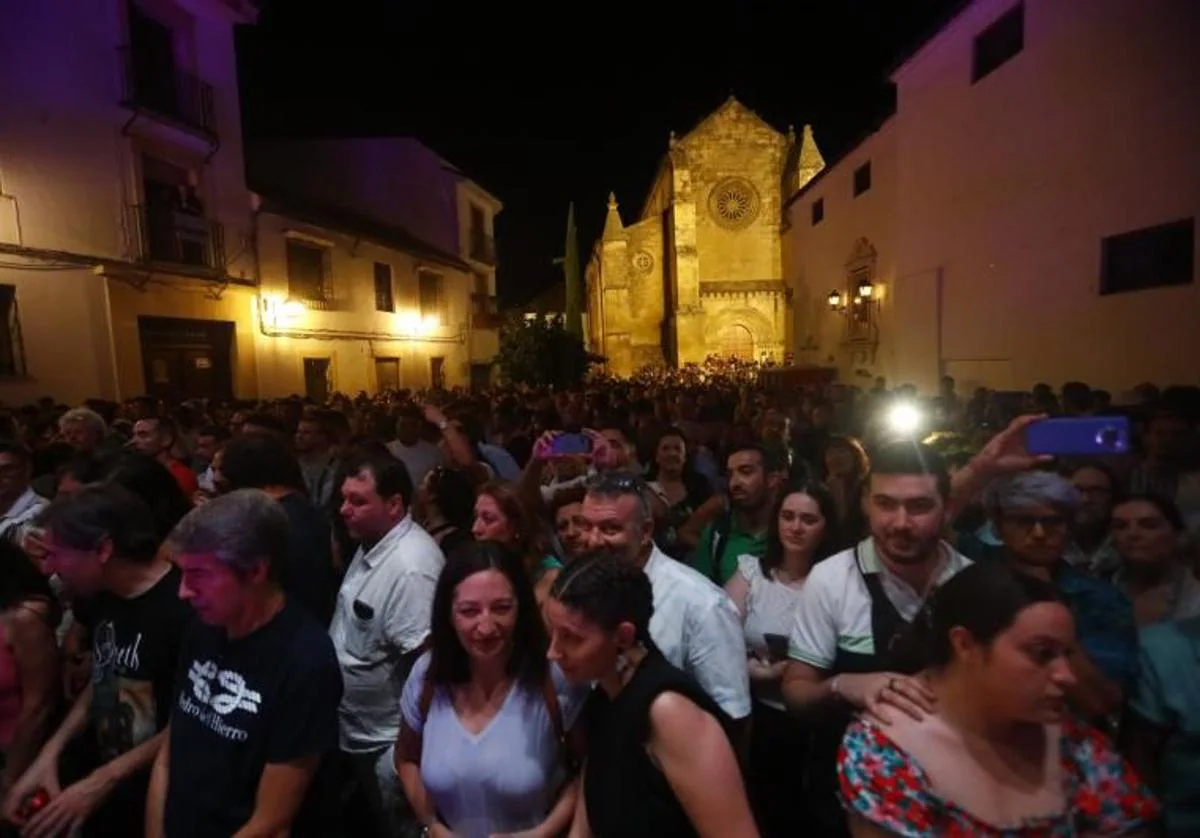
x: 736, y: 162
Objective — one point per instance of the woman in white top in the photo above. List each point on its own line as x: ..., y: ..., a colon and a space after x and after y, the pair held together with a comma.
x: 482, y: 749
x: 766, y: 589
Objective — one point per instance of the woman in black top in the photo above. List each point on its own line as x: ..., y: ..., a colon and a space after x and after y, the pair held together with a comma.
x: 660, y: 763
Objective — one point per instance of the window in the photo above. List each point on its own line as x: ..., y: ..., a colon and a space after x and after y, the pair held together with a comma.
x: 384, y: 298
x: 998, y: 43
x: 1153, y: 257
x: 12, y: 347
x: 818, y: 211
x: 862, y: 178
x: 430, y: 295
x: 307, y: 271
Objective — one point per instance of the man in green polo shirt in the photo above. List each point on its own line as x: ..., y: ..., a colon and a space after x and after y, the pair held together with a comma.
x: 755, y: 475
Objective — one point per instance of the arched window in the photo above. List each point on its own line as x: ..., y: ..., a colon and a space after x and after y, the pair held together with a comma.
x: 737, y: 341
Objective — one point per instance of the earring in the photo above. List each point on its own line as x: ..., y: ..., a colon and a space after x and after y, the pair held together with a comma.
x: 622, y: 663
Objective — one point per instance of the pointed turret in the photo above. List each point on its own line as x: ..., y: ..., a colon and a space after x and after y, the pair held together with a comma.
x: 810, y: 162
x: 613, y: 228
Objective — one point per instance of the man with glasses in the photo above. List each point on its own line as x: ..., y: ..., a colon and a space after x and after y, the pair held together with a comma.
x: 695, y: 624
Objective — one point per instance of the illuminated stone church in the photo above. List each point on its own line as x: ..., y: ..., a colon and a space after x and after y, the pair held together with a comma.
x: 699, y: 271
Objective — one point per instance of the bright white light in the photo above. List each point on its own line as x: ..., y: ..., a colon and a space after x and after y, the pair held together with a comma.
x: 904, y: 418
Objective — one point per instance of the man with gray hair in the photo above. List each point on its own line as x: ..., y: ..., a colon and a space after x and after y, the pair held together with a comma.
x: 256, y: 710
x: 1032, y: 514
x: 695, y: 624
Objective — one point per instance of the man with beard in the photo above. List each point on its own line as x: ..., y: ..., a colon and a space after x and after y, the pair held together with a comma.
x: 755, y: 474
x: 855, y: 603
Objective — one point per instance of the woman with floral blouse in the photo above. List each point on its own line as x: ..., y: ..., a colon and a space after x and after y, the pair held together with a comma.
x: 1000, y: 756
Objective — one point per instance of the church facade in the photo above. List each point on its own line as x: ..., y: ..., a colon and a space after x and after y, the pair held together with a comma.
x: 699, y: 271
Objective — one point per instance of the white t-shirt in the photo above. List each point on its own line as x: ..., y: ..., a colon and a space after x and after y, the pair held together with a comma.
x: 834, y: 611
x: 502, y: 779
x: 770, y: 609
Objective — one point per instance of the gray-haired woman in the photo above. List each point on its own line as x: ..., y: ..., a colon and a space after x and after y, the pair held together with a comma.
x: 1032, y: 513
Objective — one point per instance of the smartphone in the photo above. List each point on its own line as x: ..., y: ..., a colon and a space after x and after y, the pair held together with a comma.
x: 568, y: 444
x: 1080, y: 436
x: 777, y: 646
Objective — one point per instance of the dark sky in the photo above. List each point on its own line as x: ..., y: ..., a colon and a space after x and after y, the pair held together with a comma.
x: 568, y: 104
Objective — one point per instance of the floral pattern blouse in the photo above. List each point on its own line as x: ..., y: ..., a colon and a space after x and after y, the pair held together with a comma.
x: 883, y: 785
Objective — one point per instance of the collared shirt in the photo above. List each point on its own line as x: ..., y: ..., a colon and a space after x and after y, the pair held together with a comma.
x: 1104, y: 623
x: 1103, y: 562
x: 17, y: 521
x: 382, y: 615
x: 834, y: 611
x: 697, y: 628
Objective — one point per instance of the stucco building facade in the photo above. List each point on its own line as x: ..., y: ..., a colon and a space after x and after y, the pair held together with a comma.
x: 132, y: 249
x: 1026, y: 215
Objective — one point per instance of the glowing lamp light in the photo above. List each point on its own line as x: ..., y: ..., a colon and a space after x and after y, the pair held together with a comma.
x: 865, y: 289
x: 904, y: 418
x: 276, y: 311
x: 835, y: 300
x: 430, y: 324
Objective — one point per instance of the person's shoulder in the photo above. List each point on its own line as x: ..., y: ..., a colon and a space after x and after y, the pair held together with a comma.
x: 750, y: 566
x: 305, y: 642
x: 676, y: 574
x: 832, y: 570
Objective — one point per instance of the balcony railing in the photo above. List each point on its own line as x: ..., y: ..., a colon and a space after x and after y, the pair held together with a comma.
x: 163, y: 235
x: 483, y: 249
x: 485, y: 313
x: 168, y: 92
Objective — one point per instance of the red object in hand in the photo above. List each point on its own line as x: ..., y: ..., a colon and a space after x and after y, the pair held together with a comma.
x: 33, y: 804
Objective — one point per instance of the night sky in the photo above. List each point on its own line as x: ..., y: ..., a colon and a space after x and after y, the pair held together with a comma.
x: 544, y: 109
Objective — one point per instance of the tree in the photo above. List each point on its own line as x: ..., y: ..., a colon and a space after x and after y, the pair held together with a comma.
x: 572, y: 277
x: 541, y: 352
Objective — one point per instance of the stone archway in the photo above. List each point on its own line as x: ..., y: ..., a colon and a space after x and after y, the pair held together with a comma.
x: 736, y: 341
x: 742, y: 329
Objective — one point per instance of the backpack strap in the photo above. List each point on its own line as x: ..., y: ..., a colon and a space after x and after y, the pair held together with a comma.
x: 720, y: 537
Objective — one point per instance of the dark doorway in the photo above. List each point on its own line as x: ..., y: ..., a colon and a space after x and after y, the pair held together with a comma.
x: 481, y: 377
x: 387, y: 374
x: 437, y: 373
x: 187, y: 359
x: 317, y: 385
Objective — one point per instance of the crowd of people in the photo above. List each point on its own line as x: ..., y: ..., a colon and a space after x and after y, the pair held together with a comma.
x: 691, y: 603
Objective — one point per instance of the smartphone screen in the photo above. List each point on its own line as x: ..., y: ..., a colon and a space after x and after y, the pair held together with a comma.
x: 1080, y: 436
x: 568, y: 444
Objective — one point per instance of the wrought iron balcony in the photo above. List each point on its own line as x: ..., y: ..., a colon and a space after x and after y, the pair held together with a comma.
x: 483, y: 249
x: 168, y: 92
x: 168, y: 236
x: 485, y: 313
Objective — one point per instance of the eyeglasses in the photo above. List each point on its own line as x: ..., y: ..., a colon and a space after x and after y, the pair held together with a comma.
x: 1028, y: 522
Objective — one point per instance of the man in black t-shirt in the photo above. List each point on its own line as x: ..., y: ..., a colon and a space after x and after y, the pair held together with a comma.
x: 259, y: 687
x: 102, y: 543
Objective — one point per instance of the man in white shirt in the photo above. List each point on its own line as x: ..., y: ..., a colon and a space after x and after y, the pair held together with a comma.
x: 420, y: 456
x: 854, y: 604
x: 695, y: 624
x: 19, y: 504
x: 381, y: 621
